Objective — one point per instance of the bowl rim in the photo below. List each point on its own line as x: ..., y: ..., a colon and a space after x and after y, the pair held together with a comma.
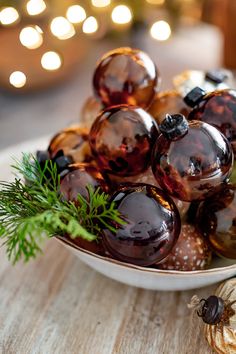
x: 145, y: 269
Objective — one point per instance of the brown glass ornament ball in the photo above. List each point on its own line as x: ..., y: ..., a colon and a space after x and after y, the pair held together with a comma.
x: 152, y: 225
x: 191, y: 251
x: 191, y: 159
x: 90, y: 110
x: 217, y: 221
x: 121, y: 140
x: 167, y: 102
x: 219, y: 109
x: 126, y: 76
x: 73, y: 142
x: 79, y: 177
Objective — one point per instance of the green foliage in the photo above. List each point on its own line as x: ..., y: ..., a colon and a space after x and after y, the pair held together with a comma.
x: 34, y: 211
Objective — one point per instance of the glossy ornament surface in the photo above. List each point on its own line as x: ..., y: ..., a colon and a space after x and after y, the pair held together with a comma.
x: 126, y: 76
x: 193, y: 161
x: 217, y: 221
x: 78, y: 178
x: 222, y: 337
x: 73, y: 142
x: 121, y: 140
x: 167, y: 102
x: 90, y: 110
x: 152, y: 225
x: 191, y: 251
x: 219, y: 109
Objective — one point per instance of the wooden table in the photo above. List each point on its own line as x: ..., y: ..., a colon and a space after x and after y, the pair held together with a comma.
x: 58, y: 305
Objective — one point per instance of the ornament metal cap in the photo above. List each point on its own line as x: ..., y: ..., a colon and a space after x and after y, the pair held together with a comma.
x: 194, y: 96
x: 216, y: 76
x: 174, y: 126
x: 212, y: 310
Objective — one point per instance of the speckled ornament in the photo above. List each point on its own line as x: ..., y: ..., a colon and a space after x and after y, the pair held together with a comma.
x: 191, y: 252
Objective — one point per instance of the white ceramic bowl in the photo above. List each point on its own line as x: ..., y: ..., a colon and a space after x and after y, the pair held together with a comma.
x: 143, y: 277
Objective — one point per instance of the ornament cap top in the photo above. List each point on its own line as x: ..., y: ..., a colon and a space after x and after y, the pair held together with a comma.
x: 174, y: 126
x: 212, y: 310
x: 216, y: 76
x: 194, y: 96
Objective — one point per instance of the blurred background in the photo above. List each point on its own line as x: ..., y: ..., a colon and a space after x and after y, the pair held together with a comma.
x: 49, y: 48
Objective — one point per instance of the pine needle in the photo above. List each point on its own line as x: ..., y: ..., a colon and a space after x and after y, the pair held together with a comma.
x: 34, y: 211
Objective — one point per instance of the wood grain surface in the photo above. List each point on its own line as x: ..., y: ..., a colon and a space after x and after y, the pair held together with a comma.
x: 58, y: 305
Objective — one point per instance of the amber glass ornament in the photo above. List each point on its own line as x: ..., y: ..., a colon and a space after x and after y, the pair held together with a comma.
x: 152, y: 225
x: 191, y: 160
x: 217, y: 221
x: 90, y: 110
x: 78, y: 178
x: 73, y: 142
x: 167, y: 102
x: 218, y: 108
x: 122, y: 138
x: 126, y: 76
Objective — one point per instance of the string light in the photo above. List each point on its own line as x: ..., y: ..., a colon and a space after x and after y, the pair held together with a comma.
x: 62, y: 28
x: 90, y: 25
x: 160, y: 30
x: 76, y: 14
x: 51, y: 61
x: 101, y: 3
x: 17, y: 79
x: 8, y: 15
x: 156, y: 2
x: 121, y: 14
x: 35, y: 7
x: 31, y: 37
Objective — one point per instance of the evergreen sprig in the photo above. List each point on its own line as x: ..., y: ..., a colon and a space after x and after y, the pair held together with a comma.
x: 34, y: 211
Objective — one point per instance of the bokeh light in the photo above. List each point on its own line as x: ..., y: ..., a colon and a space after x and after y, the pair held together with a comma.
x: 160, y: 30
x: 101, y: 3
x: 76, y: 14
x: 31, y: 37
x: 51, y: 61
x: 35, y: 7
x: 62, y: 28
x: 8, y: 15
x: 90, y: 25
x: 17, y: 79
x: 121, y: 14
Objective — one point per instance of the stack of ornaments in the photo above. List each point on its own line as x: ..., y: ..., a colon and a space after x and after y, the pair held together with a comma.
x: 165, y: 158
